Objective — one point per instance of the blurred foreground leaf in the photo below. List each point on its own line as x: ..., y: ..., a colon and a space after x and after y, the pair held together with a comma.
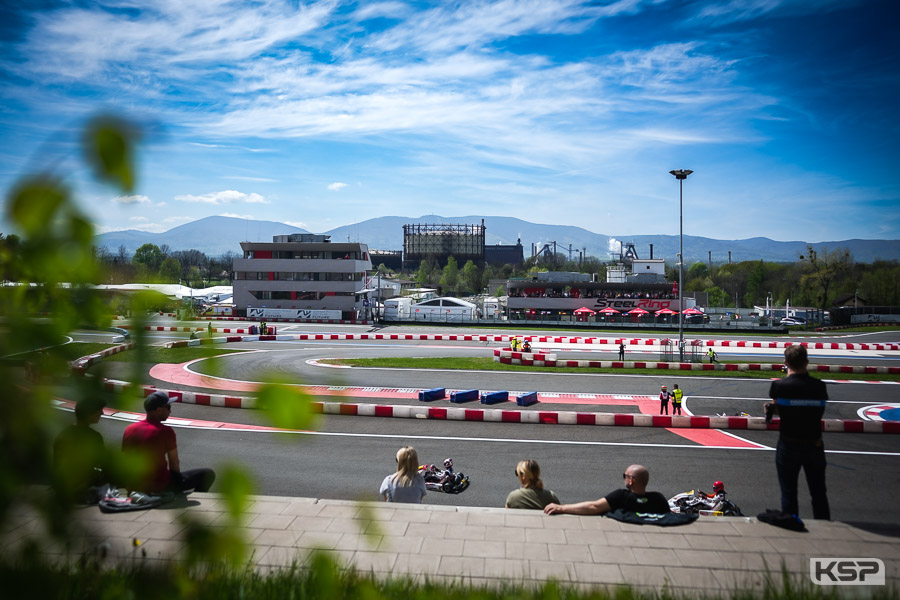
x: 286, y: 406
x: 108, y: 146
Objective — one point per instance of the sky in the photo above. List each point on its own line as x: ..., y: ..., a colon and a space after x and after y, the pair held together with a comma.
x: 564, y: 112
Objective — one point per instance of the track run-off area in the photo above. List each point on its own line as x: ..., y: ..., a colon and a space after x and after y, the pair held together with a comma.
x: 584, y: 430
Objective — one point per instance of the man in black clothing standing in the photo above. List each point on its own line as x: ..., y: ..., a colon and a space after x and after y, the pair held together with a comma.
x: 634, y: 497
x: 799, y: 400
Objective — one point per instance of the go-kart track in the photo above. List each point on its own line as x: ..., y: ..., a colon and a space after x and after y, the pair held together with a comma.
x: 584, y: 431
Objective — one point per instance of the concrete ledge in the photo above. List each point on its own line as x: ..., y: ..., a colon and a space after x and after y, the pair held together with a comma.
x: 484, y: 545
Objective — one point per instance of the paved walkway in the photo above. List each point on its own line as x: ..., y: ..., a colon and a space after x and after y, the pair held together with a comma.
x: 485, y: 545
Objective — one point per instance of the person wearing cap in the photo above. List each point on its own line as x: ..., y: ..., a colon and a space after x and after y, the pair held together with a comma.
x: 79, y: 454
x: 156, y: 440
x: 663, y: 401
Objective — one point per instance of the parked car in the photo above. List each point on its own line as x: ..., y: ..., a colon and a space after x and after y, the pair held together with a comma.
x: 696, y: 318
x: 793, y: 321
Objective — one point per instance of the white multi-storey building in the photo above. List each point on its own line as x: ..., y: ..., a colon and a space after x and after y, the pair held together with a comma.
x: 302, y: 276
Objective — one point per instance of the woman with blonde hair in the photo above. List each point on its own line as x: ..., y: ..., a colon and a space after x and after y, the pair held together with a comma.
x: 531, y: 494
x: 406, y: 485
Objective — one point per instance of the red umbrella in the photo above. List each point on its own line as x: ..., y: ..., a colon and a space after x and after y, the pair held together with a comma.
x: 692, y: 311
x: 637, y: 311
x: 584, y: 310
x: 609, y: 311
x: 666, y: 311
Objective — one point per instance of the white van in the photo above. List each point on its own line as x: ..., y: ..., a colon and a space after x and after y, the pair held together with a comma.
x: 443, y: 310
x: 492, y: 308
x: 397, y: 309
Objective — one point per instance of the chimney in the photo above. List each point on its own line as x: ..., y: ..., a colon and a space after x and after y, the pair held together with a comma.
x: 651, y: 251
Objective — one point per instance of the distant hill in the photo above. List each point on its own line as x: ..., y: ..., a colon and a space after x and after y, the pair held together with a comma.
x: 217, y: 235
x: 213, y: 236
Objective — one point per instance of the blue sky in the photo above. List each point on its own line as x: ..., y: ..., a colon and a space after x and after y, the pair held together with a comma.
x: 322, y: 114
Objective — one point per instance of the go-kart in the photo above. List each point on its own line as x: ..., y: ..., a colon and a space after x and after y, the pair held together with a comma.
x: 443, y: 480
x: 699, y: 502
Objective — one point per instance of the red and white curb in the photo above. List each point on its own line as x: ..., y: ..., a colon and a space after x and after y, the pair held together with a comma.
x: 505, y: 338
x: 549, y: 360
x: 509, y: 416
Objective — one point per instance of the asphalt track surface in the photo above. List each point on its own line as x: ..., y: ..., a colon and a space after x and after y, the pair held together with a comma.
x: 347, y: 457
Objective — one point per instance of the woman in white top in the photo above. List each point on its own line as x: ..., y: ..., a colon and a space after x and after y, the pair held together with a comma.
x: 406, y: 485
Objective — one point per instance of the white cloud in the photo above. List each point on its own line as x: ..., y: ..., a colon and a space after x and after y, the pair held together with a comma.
x: 135, y: 199
x: 246, y: 178
x: 138, y: 219
x: 223, y: 197
x: 336, y: 186
x: 236, y: 216
x: 297, y: 224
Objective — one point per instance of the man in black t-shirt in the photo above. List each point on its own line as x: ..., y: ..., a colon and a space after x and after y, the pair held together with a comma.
x: 799, y: 401
x: 634, y: 497
x: 79, y: 454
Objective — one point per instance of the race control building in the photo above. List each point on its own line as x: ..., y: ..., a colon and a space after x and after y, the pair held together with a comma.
x: 300, y: 276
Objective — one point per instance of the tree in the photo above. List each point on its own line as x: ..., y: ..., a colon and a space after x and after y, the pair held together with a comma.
x: 423, y: 275
x: 716, y: 296
x: 450, y: 276
x: 150, y: 256
x: 471, y: 278
x: 170, y: 270
x: 698, y: 270
x: 821, y: 271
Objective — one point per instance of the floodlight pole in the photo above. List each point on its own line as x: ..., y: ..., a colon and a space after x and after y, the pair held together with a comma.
x: 681, y: 175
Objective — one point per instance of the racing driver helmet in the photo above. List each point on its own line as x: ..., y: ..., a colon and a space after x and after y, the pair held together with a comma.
x: 448, y: 463
x: 718, y: 487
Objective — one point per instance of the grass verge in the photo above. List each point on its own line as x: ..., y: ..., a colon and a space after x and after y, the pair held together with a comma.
x: 152, y: 354
x: 488, y: 364
x: 324, y: 579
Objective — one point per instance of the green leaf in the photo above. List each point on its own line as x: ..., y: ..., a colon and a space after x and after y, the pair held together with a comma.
x: 286, y: 406
x: 35, y: 203
x: 236, y: 488
x: 108, y: 146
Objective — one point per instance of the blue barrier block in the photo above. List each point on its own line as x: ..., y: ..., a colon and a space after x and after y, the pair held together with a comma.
x: 527, y: 399
x: 466, y: 396
x: 432, y: 394
x: 494, y: 397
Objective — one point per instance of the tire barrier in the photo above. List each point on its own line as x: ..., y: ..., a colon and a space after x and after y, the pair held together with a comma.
x: 463, y: 396
x: 432, y: 394
x: 494, y: 397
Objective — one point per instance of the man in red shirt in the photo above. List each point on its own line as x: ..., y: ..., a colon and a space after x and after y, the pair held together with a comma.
x: 156, y: 441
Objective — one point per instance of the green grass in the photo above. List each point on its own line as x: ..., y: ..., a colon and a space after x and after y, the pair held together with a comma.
x: 324, y: 579
x: 488, y: 364
x: 153, y: 354
x: 79, y: 349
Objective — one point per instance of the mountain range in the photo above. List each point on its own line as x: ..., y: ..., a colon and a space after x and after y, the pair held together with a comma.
x: 215, y: 236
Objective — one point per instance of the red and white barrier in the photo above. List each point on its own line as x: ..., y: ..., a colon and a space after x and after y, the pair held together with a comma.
x: 418, y: 411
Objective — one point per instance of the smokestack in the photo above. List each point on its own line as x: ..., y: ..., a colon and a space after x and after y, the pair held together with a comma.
x: 651, y: 251
x: 729, y: 257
